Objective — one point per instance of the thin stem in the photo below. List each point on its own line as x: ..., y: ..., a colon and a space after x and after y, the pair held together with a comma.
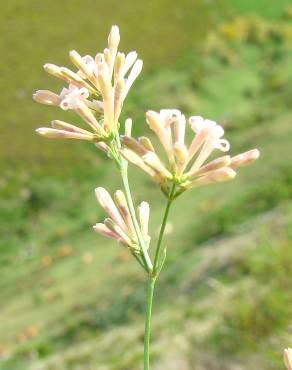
x: 150, y: 291
x: 124, y: 174
x: 145, y: 255
x: 162, y: 229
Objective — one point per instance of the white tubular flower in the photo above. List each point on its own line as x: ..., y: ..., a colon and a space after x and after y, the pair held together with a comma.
x: 288, y: 358
x: 119, y: 224
x: 182, y: 168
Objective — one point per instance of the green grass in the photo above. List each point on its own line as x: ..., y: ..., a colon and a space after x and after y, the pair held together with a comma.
x: 229, y: 244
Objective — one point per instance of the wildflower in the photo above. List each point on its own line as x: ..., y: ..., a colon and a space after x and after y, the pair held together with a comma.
x: 186, y: 167
x: 96, y: 91
x: 119, y: 225
x: 288, y: 358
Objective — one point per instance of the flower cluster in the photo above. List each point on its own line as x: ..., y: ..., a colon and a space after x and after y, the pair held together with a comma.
x: 186, y: 165
x: 96, y: 91
x: 119, y: 225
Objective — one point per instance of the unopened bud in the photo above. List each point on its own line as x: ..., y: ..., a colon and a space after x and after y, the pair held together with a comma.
x: 105, y: 231
x: 106, y: 202
x: 134, y: 145
x: 46, y: 97
x: 114, y: 39
x: 122, y: 205
x: 154, y: 162
x: 146, y: 143
x: 211, y: 166
x: 117, y: 229
x: 220, y: 175
x: 129, y: 61
x: 62, y: 134
x: 134, y: 158
x: 288, y: 358
x: 128, y: 127
x: 143, y: 213
x: 88, y: 117
x: 61, y: 125
x: 245, y: 159
x: 119, y: 63
x: 137, y: 68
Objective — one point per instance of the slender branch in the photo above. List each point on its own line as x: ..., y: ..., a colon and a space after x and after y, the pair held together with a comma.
x: 145, y: 255
x: 162, y: 229
x: 150, y: 291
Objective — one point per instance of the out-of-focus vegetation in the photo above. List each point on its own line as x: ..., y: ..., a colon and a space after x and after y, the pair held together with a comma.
x: 73, y: 300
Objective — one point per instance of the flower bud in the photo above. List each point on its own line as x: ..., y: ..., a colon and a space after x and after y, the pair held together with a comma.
x: 146, y: 143
x: 211, y: 166
x: 288, y: 358
x: 118, y: 230
x: 114, y: 39
x: 62, y: 134
x: 105, y: 231
x: 129, y: 61
x: 86, y: 114
x: 122, y: 205
x: 55, y: 71
x: 128, y: 127
x: 143, y: 213
x: 134, y: 145
x: 118, y: 98
x: 134, y: 158
x: 220, y: 175
x: 46, y: 97
x: 154, y: 162
x: 118, y: 67
x: 103, y: 146
x: 244, y: 159
x: 106, y: 202
x: 156, y: 124
x: 61, y: 125
x: 135, y: 71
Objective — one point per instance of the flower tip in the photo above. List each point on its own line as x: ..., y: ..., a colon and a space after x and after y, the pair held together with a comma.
x: 41, y: 131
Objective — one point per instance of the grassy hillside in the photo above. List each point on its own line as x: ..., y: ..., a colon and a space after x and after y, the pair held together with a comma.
x: 73, y: 300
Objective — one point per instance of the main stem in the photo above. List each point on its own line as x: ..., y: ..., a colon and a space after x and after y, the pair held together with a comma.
x: 152, y: 280
x: 147, y: 334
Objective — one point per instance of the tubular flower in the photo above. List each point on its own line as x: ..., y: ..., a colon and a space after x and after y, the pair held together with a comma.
x: 186, y: 165
x: 118, y: 225
x: 96, y: 91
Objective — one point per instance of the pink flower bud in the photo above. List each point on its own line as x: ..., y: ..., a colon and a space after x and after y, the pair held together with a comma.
x: 46, y: 97
x: 245, y: 159
x: 220, y: 175
x: 106, y: 202
x: 62, y: 134
x: 288, y: 358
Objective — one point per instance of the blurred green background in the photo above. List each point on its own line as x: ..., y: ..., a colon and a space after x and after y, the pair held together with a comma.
x: 71, y: 299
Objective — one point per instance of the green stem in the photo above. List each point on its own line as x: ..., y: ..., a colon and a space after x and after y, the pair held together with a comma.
x: 162, y: 229
x: 150, y: 291
x: 145, y: 255
x: 124, y: 174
